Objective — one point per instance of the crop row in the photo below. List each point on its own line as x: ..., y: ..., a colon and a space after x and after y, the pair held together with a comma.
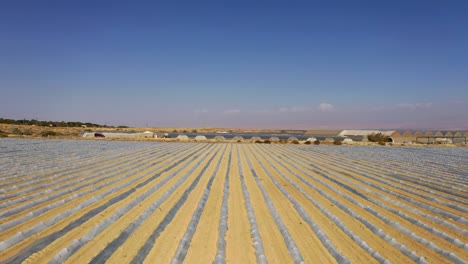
x: 131, y: 202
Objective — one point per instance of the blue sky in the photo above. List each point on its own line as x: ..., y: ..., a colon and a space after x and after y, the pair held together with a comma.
x: 251, y: 64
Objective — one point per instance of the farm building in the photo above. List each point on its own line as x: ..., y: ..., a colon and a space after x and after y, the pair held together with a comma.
x: 254, y: 139
x: 394, y: 136
x: 219, y: 138
x: 200, y: 138
x: 274, y: 139
x: 441, y: 137
x: 161, y: 135
x: 182, y: 137
x: 238, y: 138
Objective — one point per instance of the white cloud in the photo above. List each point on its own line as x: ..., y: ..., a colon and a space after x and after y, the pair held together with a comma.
x: 232, y: 111
x: 326, y: 107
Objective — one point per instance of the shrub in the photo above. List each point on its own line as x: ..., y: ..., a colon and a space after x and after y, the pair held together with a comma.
x: 266, y: 141
x: 16, y: 131
x: 194, y: 131
x: 379, y: 137
x: 3, y: 134
x: 308, y: 142
x: 317, y: 142
x: 382, y: 143
x: 27, y: 132
x: 258, y: 141
x: 338, y: 143
x: 49, y: 133
x: 295, y: 142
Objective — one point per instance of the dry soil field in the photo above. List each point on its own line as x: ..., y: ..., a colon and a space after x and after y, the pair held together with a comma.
x: 135, y: 202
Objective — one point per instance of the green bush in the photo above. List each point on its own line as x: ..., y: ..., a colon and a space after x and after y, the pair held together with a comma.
x: 317, y: 142
x: 27, y: 132
x: 338, y: 143
x: 308, y: 142
x: 49, y: 133
x: 379, y: 137
x: 16, y: 131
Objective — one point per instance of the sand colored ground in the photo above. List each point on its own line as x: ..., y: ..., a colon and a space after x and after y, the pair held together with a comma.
x: 173, y: 197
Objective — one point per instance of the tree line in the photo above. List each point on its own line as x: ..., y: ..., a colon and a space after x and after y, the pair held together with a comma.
x: 52, y: 123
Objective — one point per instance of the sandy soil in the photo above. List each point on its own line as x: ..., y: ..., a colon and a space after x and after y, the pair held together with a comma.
x: 326, y: 188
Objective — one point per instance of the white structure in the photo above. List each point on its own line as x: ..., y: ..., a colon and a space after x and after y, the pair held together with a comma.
x: 253, y: 139
x: 161, y: 135
x: 275, y: 139
x: 200, y: 137
x: 237, y: 138
x: 347, y: 140
x: 219, y: 138
x: 311, y: 139
x: 292, y: 139
x: 182, y: 137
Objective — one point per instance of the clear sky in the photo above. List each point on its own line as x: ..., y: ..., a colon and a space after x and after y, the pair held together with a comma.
x: 264, y: 64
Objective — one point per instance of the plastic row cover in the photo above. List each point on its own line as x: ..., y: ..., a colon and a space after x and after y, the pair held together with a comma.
x: 107, y: 222
x: 254, y: 232
x: 148, y: 245
x: 335, y: 219
x: 184, y: 244
x: 395, y: 194
x: 369, y: 225
x: 291, y: 245
x: 223, y: 220
x: 320, y: 234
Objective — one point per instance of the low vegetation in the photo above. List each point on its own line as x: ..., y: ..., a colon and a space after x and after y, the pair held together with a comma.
x: 337, y: 143
x: 16, y: 131
x: 51, y: 123
x: 379, y: 137
x: 317, y: 142
x: 50, y: 133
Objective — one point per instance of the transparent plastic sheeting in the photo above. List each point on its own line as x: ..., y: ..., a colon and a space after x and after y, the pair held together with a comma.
x: 449, y: 255
x: 111, y: 247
